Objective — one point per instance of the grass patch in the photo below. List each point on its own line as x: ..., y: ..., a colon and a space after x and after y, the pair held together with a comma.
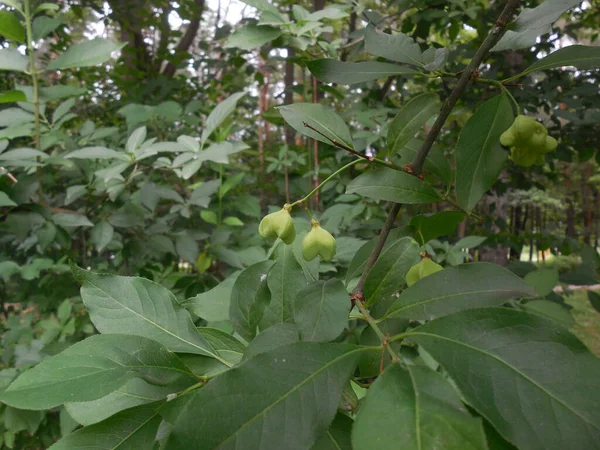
x: 587, y: 320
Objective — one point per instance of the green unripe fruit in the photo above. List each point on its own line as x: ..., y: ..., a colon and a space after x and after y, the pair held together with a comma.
x: 318, y: 242
x: 422, y: 269
x: 528, y: 141
x: 524, y: 127
x: 508, y: 138
x: 278, y: 225
x: 523, y: 156
x: 550, y: 144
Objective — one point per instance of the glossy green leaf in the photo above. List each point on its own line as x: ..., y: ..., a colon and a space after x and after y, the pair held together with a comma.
x: 285, y: 279
x: 5, y: 200
x: 580, y: 56
x: 68, y: 220
x: 443, y: 223
x: 388, y: 274
x: 415, y: 408
x: 534, y: 381
x: 338, y: 436
x: 396, y: 47
x: 272, y: 338
x: 362, y: 255
x: 252, y: 36
x: 218, y: 115
x: 410, y: 119
x: 249, y: 298
x: 11, y: 27
x: 320, y: 117
x: 140, y: 307
x: 102, y: 234
x: 131, y: 429
x: 91, y: 369
x: 133, y: 393
x: 453, y: 289
x: 393, y: 186
x: 321, y: 310
x: 12, y: 96
x: 84, y: 54
x: 245, y: 409
x: 479, y: 155
x: 12, y: 59
x: 346, y: 73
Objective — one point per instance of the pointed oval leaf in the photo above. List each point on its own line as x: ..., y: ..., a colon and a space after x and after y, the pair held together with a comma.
x: 320, y: 117
x: 415, y: 409
x: 96, y: 153
x: 71, y: 220
x: 11, y: 59
x: 5, y: 200
x: 219, y: 114
x: 393, y: 186
x: 346, y: 73
x: 321, y: 310
x: 140, y: 307
x: 310, y: 378
x: 396, y: 47
x: 11, y: 27
x: 410, y: 119
x: 250, y: 296
x: 580, y: 56
x: 131, y: 429
x: 479, y: 155
x: 466, y: 286
x: 91, y: 369
x: 388, y: 274
x: 87, y: 53
x: 252, y: 36
x: 535, y: 382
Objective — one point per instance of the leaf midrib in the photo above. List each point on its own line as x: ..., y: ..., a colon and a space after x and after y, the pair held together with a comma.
x: 525, y: 377
x: 288, y: 393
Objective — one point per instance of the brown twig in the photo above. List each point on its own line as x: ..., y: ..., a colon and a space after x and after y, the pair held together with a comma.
x: 10, y: 176
x: 417, y: 164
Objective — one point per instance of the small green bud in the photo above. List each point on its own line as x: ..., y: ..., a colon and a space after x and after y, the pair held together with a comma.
x: 278, y: 225
x: 318, y: 242
x: 423, y: 268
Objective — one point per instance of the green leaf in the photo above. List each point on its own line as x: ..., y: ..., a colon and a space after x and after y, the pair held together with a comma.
x: 393, y: 186
x: 11, y: 59
x: 479, y: 155
x: 91, y: 369
x: 410, y: 119
x: 44, y: 25
x: 16, y: 420
x: 88, y: 53
x: 46, y: 7
x: 285, y: 279
x: 543, y: 280
x: 102, y: 235
x: 338, y: 437
x: 594, y: 299
x: 249, y: 298
x: 580, y: 56
x: 17, y: 4
x: 388, y: 274
x: 346, y: 73
x: 272, y: 338
x: 551, y: 310
x: 213, y: 305
x: 233, y: 222
x: 396, y: 47
x: 209, y: 216
x: 132, y: 429
x: 224, y: 344
x: 13, y: 96
x: 370, y: 363
x: 11, y: 27
x: 252, y: 36
x: 71, y: 220
x: 431, y: 226
x: 96, y: 153
x: 310, y: 378
x: 133, y: 393
x: 458, y: 288
x: 147, y: 308
x: 547, y: 12
x: 434, y: 58
x: 319, y: 117
x: 219, y: 114
x: 415, y: 408
x: 135, y: 140
x: 321, y: 310
x: 5, y: 200
x: 534, y: 381
x: 470, y: 242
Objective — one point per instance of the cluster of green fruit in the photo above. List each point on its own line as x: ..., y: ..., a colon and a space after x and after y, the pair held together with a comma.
x: 528, y: 141
x: 318, y: 241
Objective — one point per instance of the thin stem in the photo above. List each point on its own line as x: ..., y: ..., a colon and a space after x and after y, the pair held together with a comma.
x: 220, y: 217
x: 338, y: 144
x: 380, y: 334
x: 34, y: 75
x: 324, y: 182
x: 503, y: 88
x: 497, y: 32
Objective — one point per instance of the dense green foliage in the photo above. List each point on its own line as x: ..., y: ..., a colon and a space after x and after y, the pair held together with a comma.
x: 188, y: 261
